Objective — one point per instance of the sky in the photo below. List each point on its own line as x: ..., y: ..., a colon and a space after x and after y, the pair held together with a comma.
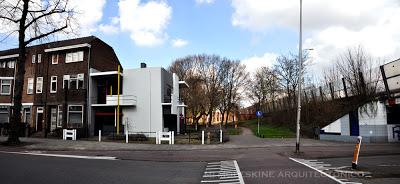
x: 254, y: 31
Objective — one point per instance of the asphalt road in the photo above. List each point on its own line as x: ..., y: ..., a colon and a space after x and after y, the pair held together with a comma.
x: 260, y: 166
x: 33, y: 169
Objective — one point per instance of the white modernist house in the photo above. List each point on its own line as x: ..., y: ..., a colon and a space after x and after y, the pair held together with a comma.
x: 375, y: 122
x: 158, y: 104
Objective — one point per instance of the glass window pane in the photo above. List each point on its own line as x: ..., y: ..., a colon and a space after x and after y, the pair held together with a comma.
x: 5, y: 89
x: 75, y: 117
x: 80, y: 55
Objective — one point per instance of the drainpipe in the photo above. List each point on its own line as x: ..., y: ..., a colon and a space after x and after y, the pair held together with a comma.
x: 89, y: 100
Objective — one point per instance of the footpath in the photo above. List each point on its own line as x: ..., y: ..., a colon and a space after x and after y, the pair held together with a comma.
x: 243, y: 141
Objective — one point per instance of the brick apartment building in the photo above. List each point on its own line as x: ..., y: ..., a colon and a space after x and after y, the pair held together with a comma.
x: 58, y: 89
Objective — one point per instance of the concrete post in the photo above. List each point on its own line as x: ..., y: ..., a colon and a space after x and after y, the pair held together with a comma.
x: 170, y: 137
x: 99, y: 135
x: 202, y: 137
x: 220, y: 136
x: 126, y: 135
x: 157, y: 137
x: 173, y: 137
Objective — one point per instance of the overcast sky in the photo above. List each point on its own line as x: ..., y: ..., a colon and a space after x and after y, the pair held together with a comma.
x: 254, y: 31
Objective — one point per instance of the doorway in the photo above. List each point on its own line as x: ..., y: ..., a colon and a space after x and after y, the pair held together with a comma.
x: 39, y: 119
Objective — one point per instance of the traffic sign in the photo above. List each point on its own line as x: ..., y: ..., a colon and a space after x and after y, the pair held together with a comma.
x: 259, y: 113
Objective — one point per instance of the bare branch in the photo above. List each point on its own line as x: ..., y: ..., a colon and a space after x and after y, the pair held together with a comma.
x: 46, y: 34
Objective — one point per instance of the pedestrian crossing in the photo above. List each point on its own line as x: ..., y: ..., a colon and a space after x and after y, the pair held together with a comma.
x: 223, y: 172
x: 325, y: 169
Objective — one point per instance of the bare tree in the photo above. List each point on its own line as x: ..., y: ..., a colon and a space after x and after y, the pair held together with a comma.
x: 287, y: 70
x: 186, y: 69
x: 264, y: 87
x: 211, y: 71
x: 32, y: 21
x: 234, y: 80
x: 360, y: 71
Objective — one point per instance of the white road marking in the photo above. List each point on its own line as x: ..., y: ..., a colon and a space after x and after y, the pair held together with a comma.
x: 320, y: 167
x: 62, y: 155
x: 223, y: 172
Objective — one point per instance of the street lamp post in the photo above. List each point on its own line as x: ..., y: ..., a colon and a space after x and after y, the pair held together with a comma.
x: 299, y: 80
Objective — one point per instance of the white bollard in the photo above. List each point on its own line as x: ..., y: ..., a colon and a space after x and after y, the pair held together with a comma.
x: 99, y: 135
x: 126, y: 136
x: 202, y: 137
x: 157, y: 137
x: 74, y: 135
x: 173, y: 137
x: 170, y: 137
x: 63, y: 134
x: 220, y: 136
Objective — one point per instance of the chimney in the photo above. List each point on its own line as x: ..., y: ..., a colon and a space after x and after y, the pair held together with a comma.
x: 143, y: 65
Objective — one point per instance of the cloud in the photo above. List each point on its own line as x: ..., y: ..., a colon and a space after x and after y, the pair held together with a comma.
x: 205, y: 1
x: 329, y: 27
x: 111, y: 28
x: 179, y: 43
x: 146, y: 22
x: 90, y: 13
x: 256, y: 62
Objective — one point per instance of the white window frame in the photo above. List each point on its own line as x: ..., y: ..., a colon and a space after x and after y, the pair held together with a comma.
x: 59, y: 114
x: 54, y: 59
x: 39, y: 86
x: 77, y: 78
x: 31, y: 83
x: 3, y: 64
x: 72, y: 57
x: 33, y: 58
x: 68, y: 111
x: 2, y: 84
x: 39, y: 58
x: 65, y: 78
x: 53, y: 80
x: 11, y: 64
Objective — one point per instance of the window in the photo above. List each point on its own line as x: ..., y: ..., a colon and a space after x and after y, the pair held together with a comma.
x: 4, y: 115
x: 27, y: 116
x: 53, y: 84
x: 39, y: 84
x: 33, y: 58
x: 29, y: 89
x: 73, y: 81
x: 75, y: 115
x: 54, y: 59
x: 74, y: 57
x: 80, y: 81
x: 59, y: 119
x: 3, y: 64
x: 5, y: 88
x: 39, y: 58
x: 11, y: 64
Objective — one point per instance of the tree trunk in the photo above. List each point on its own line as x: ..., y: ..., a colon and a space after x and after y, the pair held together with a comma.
x: 210, y: 113
x: 15, y: 115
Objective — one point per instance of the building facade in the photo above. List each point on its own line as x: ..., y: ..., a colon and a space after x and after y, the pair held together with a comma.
x: 56, y: 91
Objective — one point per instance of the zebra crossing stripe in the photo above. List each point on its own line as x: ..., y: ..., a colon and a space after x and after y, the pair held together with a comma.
x: 223, y: 172
x: 321, y: 167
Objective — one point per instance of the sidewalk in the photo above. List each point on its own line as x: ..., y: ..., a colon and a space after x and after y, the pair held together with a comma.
x: 237, y: 142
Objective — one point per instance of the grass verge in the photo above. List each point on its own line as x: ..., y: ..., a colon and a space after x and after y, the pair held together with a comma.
x: 234, y: 131
x: 267, y: 130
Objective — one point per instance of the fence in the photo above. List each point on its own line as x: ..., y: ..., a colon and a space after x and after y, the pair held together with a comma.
x: 69, y: 134
x: 339, y: 89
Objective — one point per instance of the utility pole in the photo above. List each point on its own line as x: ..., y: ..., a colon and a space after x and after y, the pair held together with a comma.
x: 299, y: 80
